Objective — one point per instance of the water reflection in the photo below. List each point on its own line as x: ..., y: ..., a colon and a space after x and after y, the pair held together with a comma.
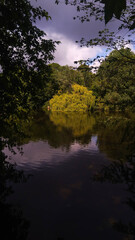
x: 57, y: 135
x: 122, y: 170
x: 13, y: 223
x: 37, y: 153
x: 116, y: 137
x: 61, y: 130
x: 80, y: 124
x: 80, y: 157
x: 53, y: 138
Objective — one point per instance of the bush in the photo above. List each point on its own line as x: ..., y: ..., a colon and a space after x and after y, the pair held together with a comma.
x: 80, y: 99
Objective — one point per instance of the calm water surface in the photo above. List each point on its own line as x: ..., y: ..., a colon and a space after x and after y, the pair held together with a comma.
x: 82, y: 183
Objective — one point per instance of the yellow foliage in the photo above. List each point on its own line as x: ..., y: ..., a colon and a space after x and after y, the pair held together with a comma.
x: 79, y: 123
x: 80, y: 99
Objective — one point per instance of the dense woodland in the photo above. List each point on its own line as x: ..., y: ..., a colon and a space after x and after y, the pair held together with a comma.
x: 63, y: 88
x: 112, y: 86
x: 29, y: 79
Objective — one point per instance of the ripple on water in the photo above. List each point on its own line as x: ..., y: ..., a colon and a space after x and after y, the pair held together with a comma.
x: 37, y: 153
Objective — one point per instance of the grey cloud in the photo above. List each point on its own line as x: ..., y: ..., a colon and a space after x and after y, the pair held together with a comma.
x: 62, y: 27
x: 62, y: 21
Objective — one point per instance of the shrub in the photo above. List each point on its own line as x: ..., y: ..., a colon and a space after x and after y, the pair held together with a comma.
x: 80, y: 99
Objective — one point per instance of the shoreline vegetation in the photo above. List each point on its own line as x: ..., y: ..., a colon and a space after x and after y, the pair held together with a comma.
x: 79, y: 99
x: 30, y: 82
x: 111, y: 88
x: 65, y: 89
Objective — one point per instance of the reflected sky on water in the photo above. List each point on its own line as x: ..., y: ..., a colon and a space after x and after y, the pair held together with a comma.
x: 76, y: 189
x: 37, y: 153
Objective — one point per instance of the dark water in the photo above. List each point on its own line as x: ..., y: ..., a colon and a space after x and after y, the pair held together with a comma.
x: 82, y: 183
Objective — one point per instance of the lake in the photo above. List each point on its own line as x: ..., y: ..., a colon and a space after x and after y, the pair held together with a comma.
x: 81, y: 183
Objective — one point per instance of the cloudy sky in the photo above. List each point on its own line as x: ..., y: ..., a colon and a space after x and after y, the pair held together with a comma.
x: 62, y: 27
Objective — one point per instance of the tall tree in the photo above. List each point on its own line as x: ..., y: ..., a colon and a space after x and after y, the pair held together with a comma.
x: 87, y: 74
x: 25, y: 51
x: 115, y: 82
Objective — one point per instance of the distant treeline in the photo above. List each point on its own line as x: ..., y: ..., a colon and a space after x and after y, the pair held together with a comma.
x: 113, y: 86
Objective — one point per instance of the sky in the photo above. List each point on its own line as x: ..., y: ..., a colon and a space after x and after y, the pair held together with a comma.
x: 62, y: 27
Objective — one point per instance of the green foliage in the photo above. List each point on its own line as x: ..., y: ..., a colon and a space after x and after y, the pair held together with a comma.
x: 61, y: 75
x: 65, y: 76
x: 80, y: 99
x: 87, y: 75
x: 25, y: 53
x: 113, y: 7
x: 22, y: 90
x: 115, y: 80
x: 22, y: 43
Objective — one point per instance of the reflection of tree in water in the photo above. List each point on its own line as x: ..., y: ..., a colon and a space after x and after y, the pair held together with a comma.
x: 122, y: 170
x: 17, y: 132
x: 61, y: 130
x: 13, y: 224
x: 116, y: 136
x: 79, y: 125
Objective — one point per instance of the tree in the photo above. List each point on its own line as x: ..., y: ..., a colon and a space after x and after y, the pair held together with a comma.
x: 87, y: 74
x: 115, y: 80
x: 22, y: 43
x: 65, y: 76
x: 24, y: 54
x: 62, y: 76
x: 80, y: 99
